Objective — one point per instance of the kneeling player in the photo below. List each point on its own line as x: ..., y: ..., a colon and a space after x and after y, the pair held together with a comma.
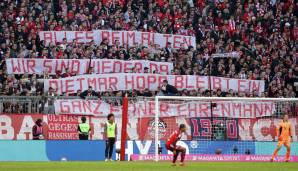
x: 171, y: 145
x: 284, y: 138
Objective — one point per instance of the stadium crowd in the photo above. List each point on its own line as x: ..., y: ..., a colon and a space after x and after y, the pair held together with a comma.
x: 263, y: 32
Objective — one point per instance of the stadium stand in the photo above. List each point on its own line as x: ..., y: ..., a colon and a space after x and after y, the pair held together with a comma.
x: 264, y: 33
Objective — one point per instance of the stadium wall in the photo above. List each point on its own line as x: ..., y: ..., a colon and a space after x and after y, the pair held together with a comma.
x: 64, y: 127
x: 74, y: 150
x: 254, y: 135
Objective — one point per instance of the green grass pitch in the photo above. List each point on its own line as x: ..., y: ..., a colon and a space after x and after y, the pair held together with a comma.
x: 145, y: 166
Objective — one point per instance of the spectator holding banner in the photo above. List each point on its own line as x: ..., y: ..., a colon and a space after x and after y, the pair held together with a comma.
x: 89, y: 93
x: 168, y: 89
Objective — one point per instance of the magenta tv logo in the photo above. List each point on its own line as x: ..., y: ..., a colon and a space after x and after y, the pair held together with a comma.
x: 215, y: 158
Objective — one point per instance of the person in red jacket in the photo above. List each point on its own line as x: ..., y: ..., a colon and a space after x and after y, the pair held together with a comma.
x: 176, y: 149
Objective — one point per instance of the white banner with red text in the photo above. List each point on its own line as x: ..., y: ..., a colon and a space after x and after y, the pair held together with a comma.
x: 81, y: 66
x: 146, y: 108
x: 131, y: 38
x: 137, y: 81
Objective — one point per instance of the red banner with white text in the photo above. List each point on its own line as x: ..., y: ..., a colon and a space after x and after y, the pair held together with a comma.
x: 61, y: 127
x: 64, y: 127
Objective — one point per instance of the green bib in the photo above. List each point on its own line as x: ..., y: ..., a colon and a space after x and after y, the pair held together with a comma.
x: 111, y: 128
x: 84, y: 127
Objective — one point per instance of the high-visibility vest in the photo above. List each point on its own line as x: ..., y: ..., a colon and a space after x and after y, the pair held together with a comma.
x: 84, y: 127
x: 111, y: 130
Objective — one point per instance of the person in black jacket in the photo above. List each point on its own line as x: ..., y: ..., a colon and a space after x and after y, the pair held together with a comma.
x: 168, y: 89
x: 88, y: 93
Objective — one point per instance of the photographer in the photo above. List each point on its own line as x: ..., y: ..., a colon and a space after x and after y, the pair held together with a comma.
x: 37, y: 130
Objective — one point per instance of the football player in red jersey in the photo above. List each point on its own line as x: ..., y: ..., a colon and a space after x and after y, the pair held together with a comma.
x: 176, y: 149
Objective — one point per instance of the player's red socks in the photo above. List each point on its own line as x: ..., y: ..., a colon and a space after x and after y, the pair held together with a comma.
x: 182, y: 157
x: 175, y: 157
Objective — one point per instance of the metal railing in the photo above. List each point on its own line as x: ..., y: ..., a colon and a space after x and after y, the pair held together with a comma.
x: 20, y: 104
